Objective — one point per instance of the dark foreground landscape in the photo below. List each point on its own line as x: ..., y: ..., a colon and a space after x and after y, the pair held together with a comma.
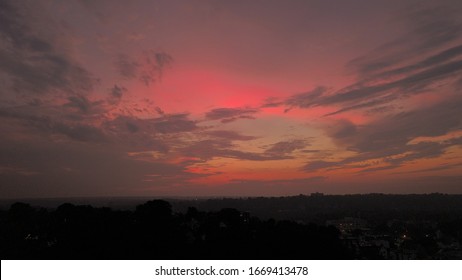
x: 318, y: 226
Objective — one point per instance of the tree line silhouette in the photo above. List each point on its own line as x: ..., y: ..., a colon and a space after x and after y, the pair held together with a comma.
x: 154, y: 231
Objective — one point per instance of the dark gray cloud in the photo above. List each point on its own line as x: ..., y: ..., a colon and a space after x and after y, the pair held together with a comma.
x: 206, y: 149
x: 399, y: 129
x: 432, y: 25
x: 341, y: 130
x: 230, y: 114
x: 436, y: 168
x: 388, y: 139
x: 320, y: 164
x: 421, y: 150
x: 411, y: 84
x: 124, y: 124
x: 79, y: 132
x: 396, y: 70
x: 224, y: 148
x: 59, y: 155
x: 51, y: 124
x: 166, y: 124
x: 153, y: 134
x: 308, y: 151
x: 218, y: 148
x: 174, y: 123
x: 230, y: 135
x: 127, y: 130
x: 127, y: 66
x: 84, y: 106
x: 30, y: 62
x: 272, y: 102
x: 148, y: 68
x: 367, y: 104
x: 159, y: 60
x: 370, y: 96
x: 62, y: 169
x: 306, y: 99
x: 375, y: 169
x: 159, y: 111
x: 79, y: 102
x: 153, y: 66
x: 286, y: 147
x: 236, y: 154
x: 435, y: 59
x: 115, y: 94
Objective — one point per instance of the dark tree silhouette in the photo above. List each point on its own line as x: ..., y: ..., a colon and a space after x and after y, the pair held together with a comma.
x: 154, y: 231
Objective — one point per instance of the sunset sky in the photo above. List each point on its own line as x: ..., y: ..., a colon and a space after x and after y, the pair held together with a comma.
x: 229, y: 98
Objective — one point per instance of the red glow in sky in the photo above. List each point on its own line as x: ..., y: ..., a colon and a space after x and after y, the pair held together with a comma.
x: 207, y: 98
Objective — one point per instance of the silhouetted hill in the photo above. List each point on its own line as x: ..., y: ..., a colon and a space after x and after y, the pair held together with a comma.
x: 318, y: 208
